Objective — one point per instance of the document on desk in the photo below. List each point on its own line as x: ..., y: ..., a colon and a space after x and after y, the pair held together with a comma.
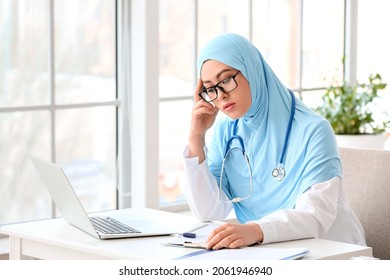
x: 255, y: 252
x: 197, y: 240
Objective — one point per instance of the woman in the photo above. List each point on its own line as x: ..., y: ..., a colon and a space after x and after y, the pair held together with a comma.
x: 290, y: 187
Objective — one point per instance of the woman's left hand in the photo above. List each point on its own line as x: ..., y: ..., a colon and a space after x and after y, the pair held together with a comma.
x: 234, y: 236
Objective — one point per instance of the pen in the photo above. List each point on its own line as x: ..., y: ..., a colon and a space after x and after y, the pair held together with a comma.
x: 192, y: 235
x: 189, y: 234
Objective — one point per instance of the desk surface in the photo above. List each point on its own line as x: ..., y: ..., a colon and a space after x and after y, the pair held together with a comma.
x: 56, y: 239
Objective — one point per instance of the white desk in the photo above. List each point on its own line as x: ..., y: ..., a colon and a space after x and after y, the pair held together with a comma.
x: 56, y: 239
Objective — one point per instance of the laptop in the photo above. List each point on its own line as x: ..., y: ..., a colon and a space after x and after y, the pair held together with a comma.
x: 101, y: 227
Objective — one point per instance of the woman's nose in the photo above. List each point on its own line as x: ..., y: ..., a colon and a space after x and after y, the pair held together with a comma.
x: 221, y: 94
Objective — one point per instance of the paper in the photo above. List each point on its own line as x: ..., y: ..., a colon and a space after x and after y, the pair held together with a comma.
x: 202, y: 232
x: 256, y: 252
x: 248, y: 253
x: 182, y: 241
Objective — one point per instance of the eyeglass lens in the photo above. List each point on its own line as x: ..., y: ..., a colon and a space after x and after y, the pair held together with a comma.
x: 226, y: 85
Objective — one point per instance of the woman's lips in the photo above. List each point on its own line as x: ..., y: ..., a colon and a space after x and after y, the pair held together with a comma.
x: 228, y: 106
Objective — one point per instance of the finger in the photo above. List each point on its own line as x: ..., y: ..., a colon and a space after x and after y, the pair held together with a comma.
x: 221, y: 241
x: 215, y: 244
x: 201, y: 109
x: 204, y: 107
x: 216, y: 231
x: 218, y: 238
x: 238, y: 243
x: 199, y: 87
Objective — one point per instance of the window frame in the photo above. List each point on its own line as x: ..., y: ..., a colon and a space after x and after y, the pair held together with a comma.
x: 138, y: 114
x: 52, y: 107
x: 149, y: 18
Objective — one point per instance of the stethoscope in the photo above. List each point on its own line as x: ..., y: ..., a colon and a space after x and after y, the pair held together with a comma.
x: 278, y: 173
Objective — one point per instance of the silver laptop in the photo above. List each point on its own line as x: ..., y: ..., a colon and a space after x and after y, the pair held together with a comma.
x: 102, y: 227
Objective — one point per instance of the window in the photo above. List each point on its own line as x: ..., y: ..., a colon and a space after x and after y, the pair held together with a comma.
x: 57, y: 101
x: 297, y: 43
x: 176, y: 78
x: 60, y: 90
x: 291, y: 35
x: 373, y: 48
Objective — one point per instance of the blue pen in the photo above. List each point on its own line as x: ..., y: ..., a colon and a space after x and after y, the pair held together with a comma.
x: 189, y: 234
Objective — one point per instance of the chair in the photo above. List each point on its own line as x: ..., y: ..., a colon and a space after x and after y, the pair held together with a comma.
x: 366, y: 179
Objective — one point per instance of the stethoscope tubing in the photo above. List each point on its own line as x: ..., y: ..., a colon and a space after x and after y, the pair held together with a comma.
x: 289, y: 126
x: 279, y: 172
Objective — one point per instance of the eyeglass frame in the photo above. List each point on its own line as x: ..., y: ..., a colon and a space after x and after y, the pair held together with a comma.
x: 217, y: 86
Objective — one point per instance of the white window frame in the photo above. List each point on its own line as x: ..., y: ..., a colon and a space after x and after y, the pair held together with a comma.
x: 138, y: 116
x: 52, y: 107
x: 138, y: 73
x: 138, y: 110
x: 350, y: 41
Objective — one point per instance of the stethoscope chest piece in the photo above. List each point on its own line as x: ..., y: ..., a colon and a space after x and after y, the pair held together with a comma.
x: 279, y: 173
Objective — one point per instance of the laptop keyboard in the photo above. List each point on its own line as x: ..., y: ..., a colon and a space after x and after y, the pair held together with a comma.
x: 108, y: 225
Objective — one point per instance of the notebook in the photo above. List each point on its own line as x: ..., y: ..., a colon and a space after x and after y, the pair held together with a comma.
x: 102, y: 227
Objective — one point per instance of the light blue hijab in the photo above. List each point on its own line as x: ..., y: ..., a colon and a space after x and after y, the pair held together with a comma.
x: 311, y: 155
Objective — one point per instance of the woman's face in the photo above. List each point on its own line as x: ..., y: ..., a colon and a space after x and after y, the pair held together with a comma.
x: 234, y: 104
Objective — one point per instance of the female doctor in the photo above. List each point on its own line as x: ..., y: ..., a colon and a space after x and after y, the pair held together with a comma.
x: 271, y: 158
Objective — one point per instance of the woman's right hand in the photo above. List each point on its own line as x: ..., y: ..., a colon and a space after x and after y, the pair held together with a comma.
x: 203, y: 114
x: 202, y: 118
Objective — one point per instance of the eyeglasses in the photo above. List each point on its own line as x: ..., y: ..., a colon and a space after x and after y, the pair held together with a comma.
x: 226, y: 85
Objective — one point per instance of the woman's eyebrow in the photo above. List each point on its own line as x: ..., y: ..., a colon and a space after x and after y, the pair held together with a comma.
x: 218, y: 75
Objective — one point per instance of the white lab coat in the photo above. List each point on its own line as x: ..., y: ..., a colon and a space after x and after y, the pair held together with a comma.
x: 322, y: 211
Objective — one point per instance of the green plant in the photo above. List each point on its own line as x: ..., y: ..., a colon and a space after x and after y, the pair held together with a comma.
x: 349, y: 108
